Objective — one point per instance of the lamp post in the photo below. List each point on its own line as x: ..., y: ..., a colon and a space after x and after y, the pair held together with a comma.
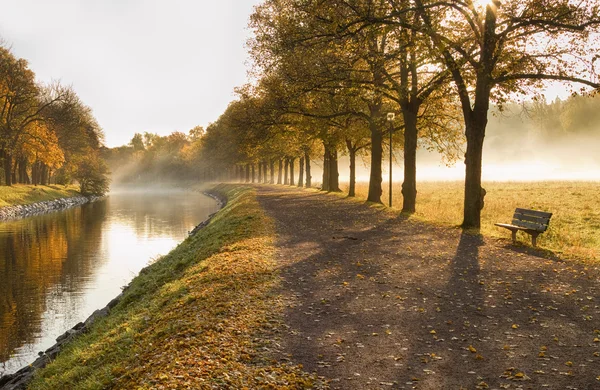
x: 390, y: 119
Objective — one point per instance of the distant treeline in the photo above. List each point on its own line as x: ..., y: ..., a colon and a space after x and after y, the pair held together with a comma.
x: 47, y: 135
x: 151, y: 159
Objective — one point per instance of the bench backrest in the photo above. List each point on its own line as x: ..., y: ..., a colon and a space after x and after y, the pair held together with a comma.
x: 531, y: 219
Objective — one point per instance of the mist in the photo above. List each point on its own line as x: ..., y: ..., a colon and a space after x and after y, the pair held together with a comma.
x: 517, y: 148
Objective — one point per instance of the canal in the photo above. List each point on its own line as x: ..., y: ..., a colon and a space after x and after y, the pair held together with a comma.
x: 57, y: 268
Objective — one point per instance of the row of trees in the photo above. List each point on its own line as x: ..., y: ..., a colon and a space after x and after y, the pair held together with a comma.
x: 46, y: 132
x: 329, y: 71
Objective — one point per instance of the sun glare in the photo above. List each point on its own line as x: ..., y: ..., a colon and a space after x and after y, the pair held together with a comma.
x: 481, y: 3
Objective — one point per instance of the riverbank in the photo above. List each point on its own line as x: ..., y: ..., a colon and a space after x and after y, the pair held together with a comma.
x: 24, y: 200
x: 203, y: 316
x: 22, y: 194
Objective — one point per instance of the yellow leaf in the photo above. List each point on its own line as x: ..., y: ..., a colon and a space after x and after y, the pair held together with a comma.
x: 515, y: 326
x: 569, y: 363
x: 432, y: 332
x: 519, y: 375
x: 472, y: 349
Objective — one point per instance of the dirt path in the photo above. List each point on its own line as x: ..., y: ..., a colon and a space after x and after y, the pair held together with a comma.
x: 378, y: 301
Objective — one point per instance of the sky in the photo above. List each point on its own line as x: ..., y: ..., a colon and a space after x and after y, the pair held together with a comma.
x: 141, y: 65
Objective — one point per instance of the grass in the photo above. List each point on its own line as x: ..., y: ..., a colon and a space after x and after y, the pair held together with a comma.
x: 20, y: 194
x: 574, y: 228
x: 196, y: 318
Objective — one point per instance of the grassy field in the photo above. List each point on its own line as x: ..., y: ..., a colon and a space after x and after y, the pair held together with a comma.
x: 196, y: 318
x: 574, y: 228
x: 19, y: 194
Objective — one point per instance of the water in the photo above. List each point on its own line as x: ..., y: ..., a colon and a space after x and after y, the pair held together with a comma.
x: 56, y: 269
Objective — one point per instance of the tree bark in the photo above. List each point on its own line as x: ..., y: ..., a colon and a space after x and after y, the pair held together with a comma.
x: 280, y: 172
x: 325, y: 181
x: 474, y: 193
x: 7, y: 169
x: 44, y: 178
x: 247, y: 173
x: 308, y: 176
x: 292, y: 163
x: 259, y: 172
x: 253, y: 169
x: 286, y: 168
x: 352, y: 155
x: 409, y: 185
x: 334, y: 174
x: 265, y: 177
x: 301, y: 172
x: 272, y: 166
x: 375, y: 190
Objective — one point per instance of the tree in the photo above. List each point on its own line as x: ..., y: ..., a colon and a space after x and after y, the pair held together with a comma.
x: 91, y: 173
x: 503, y: 49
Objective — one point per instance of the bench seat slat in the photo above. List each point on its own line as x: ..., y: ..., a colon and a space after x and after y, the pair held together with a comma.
x: 530, y: 225
x: 531, y: 218
x: 541, y: 214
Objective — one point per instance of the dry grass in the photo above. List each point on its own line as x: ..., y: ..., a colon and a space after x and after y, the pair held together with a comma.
x: 19, y: 194
x: 574, y: 228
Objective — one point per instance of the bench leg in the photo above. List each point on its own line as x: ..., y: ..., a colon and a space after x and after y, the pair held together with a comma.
x: 534, y: 239
x: 514, y: 236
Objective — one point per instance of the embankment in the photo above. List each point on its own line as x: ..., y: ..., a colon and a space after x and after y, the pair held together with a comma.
x: 26, y: 210
x: 203, y: 316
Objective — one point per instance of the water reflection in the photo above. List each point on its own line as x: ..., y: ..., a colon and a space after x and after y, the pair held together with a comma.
x: 56, y: 269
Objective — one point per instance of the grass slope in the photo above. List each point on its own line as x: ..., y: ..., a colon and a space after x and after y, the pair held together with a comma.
x: 574, y: 228
x: 201, y: 317
x: 20, y: 194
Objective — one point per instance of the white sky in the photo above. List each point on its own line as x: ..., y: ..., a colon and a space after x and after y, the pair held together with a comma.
x: 141, y: 65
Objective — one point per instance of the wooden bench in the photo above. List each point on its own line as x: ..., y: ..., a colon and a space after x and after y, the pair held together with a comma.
x: 532, y: 222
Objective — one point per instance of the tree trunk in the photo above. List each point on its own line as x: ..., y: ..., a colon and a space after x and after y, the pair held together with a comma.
x: 259, y: 172
x: 44, y: 179
x: 352, y: 155
x: 7, y: 169
x: 286, y: 179
x: 308, y: 176
x: 301, y: 172
x: 280, y: 172
x: 474, y: 193
x: 292, y: 163
x: 325, y: 182
x: 253, y: 170
x: 375, y: 190
x: 23, y: 176
x: 14, y: 172
x: 334, y: 174
x: 272, y: 166
x: 247, y: 173
x: 409, y: 186
x: 265, y: 177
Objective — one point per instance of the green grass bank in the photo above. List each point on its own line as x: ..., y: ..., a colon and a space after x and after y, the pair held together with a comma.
x: 202, y: 317
x: 20, y: 194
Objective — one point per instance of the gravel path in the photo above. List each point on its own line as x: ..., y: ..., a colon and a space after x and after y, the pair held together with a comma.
x: 376, y: 301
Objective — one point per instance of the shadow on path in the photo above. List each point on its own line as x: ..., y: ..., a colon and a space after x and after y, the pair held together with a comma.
x: 378, y: 301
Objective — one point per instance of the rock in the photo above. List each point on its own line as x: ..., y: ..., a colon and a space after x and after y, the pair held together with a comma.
x: 96, y: 315
x: 21, y: 211
x: 114, y: 301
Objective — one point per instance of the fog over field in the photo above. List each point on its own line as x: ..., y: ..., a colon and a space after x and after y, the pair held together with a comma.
x: 516, y: 148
